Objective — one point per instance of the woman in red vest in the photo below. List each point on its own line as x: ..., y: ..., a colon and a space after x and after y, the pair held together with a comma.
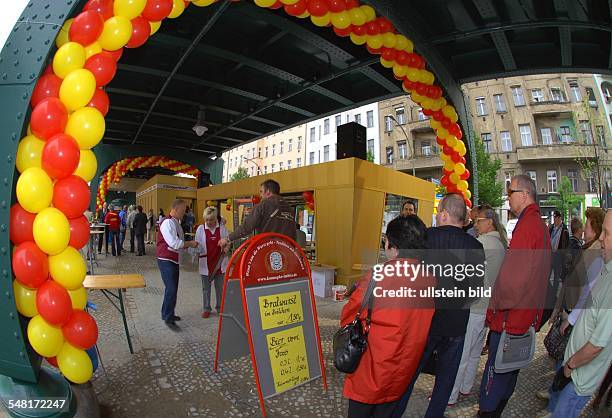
x: 208, y: 236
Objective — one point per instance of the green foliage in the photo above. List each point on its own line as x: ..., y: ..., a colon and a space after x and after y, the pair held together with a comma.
x: 370, y: 156
x: 240, y: 174
x: 489, y: 189
x: 567, y: 199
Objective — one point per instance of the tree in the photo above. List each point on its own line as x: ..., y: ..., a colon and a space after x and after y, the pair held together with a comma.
x: 370, y: 156
x: 489, y: 189
x: 567, y: 199
x: 240, y: 174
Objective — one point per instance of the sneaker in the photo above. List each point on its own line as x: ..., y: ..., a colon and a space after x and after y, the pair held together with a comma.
x: 176, y: 318
x: 544, y: 414
x: 543, y: 395
x: 205, y: 314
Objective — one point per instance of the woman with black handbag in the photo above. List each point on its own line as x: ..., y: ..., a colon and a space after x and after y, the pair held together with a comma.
x: 387, y: 333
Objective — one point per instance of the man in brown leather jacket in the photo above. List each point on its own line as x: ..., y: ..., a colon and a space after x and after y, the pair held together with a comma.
x: 272, y: 214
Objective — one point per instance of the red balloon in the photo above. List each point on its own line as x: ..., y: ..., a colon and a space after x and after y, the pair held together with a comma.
x: 422, y: 89
x: 60, y: 156
x: 451, y: 189
x: 445, y: 181
x: 79, y: 232
x: 20, y: 225
x: 100, y: 101
x: 401, y: 57
x: 447, y: 172
x: 372, y: 28
x: 374, y: 51
x: 409, y: 85
x: 104, y: 7
x: 81, y: 330
x: 463, y: 161
x: 48, y: 70
x: 53, y: 303
x: 307, y: 196
x: 47, y: 86
x: 156, y: 10
x: 336, y: 6
x: 388, y: 54
x: 456, y: 157
x: 310, y: 205
x: 115, y: 54
x: 49, y: 117
x: 384, y: 25
x: 468, y: 203
x: 343, y: 32
x: 440, y: 141
x: 351, y: 4
x: 86, y: 27
x: 30, y: 265
x: 297, y: 9
x: 438, y: 115
x: 103, y: 67
x: 359, y: 30
x: 447, y: 150
x: 71, y: 196
x: 276, y: 5
x: 465, y: 175
x: 256, y: 200
x: 446, y: 123
x: 52, y: 361
x: 141, y: 30
x: 317, y: 7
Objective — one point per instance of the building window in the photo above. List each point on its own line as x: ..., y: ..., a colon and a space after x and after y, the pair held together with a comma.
x: 565, y: 135
x: 508, y: 178
x: 400, y: 115
x: 273, y: 150
x: 299, y: 162
x: 272, y: 168
x: 517, y: 96
x: 290, y: 147
x: 546, y: 136
x: 282, y: 145
x: 259, y: 152
x: 402, y: 150
x: 265, y: 169
x: 481, y: 106
x: 299, y: 143
x: 572, y: 175
x: 601, y: 137
x: 486, y: 140
x: 358, y: 118
x: 280, y: 166
x: 326, y: 126
x: 370, y: 117
x: 591, y: 96
x: 420, y: 114
x: 506, y: 141
x: 500, y: 103
x: 532, y: 175
x: 537, y: 95
x: 556, y: 95
x: 585, y: 129
x: 312, y: 156
x: 551, y: 176
x: 388, y: 124
x: 525, y: 131
x: 575, y: 91
x: 326, y: 153
x: 338, y: 121
x: 426, y: 148
x: 288, y: 164
x: 371, y: 146
x: 590, y: 181
x: 389, y: 155
x: 312, y: 135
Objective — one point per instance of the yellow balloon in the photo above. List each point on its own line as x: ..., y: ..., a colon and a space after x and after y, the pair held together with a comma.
x: 70, y: 57
x: 385, y: 63
x: 117, y: 32
x: 92, y: 49
x: 68, y: 268
x: 389, y: 39
x: 357, y: 16
x: 417, y: 97
x: 51, y: 231
x: 63, y: 34
x: 34, y: 189
x: 369, y: 12
x: 468, y: 194
x: 435, y: 125
x: 358, y: 40
x: 402, y: 43
x: 459, y: 169
x: 443, y: 133
x: 86, y: 125
x: 449, y: 166
x: 321, y: 20
x: 29, y: 152
x: 45, y: 339
x: 29, y: 130
x: 399, y: 70
x: 25, y: 300
x: 445, y: 157
x: 341, y: 20
x: 265, y: 3
x: 77, y: 89
x: 129, y: 8
x: 178, y: 7
x: 74, y: 363
x: 78, y: 298
x: 289, y: 1
x: 448, y: 110
x: 87, y: 165
x: 412, y: 74
x: 203, y: 3
x: 454, y: 178
x: 304, y: 15
x: 374, y: 41
x: 428, y: 77
x: 155, y: 26
x: 462, y: 185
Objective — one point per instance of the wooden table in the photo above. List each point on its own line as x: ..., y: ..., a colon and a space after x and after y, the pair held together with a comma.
x: 108, y: 282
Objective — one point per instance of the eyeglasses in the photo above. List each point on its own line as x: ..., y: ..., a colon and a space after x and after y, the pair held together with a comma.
x: 481, y: 219
x: 510, y: 191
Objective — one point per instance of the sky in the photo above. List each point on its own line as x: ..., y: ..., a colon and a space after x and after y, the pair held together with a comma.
x: 11, y: 9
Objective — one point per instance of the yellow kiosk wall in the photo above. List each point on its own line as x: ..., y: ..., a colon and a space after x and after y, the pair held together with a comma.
x: 159, y: 192
x: 349, y: 199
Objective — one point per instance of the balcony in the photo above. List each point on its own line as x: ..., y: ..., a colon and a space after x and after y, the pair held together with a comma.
x: 550, y: 107
x: 555, y: 152
x: 421, y: 160
x: 420, y: 126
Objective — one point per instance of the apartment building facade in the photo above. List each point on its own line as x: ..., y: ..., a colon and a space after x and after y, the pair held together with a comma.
x: 321, y: 134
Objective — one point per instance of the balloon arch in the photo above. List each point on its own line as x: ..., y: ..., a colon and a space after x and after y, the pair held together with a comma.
x: 69, y: 104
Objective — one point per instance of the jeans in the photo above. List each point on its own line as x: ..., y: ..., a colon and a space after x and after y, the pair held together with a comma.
x: 140, y: 244
x: 495, y: 388
x: 122, y: 236
x: 366, y: 410
x: 114, y: 238
x: 449, y: 351
x: 170, y: 276
x: 567, y: 403
x: 132, y: 235
x: 206, y: 291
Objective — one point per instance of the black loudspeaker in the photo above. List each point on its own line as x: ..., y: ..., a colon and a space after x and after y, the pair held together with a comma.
x: 204, y: 180
x: 351, y: 141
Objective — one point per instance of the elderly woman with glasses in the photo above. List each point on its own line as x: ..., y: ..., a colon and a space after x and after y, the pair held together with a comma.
x: 492, y: 236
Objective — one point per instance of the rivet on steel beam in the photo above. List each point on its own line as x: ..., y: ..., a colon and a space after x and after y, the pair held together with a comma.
x: 35, y: 17
x: 4, y: 76
x: 47, y: 17
x: 8, y: 295
x: 19, y: 115
x: 5, y: 181
x: 46, y: 6
x: 39, y: 58
x: 16, y: 334
x: 61, y: 16
x: 16, y: 63
x: 32, y: 76
x: 12, y: 315
x: 47, y: 42
x: 28, y: 50
x: 9, y: 158
x: 29, y: 38
x: 21, y: 354
x: 5, y: 274
x: 3, y: 204
x: 3, y: 227
x: 3, y: 250
x: 16, y: 51
x: 18, y: 78
x: 14, y: 136
x: 24, y: 96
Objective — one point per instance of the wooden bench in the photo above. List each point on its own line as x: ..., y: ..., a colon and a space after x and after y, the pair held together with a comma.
x: 108, y: 282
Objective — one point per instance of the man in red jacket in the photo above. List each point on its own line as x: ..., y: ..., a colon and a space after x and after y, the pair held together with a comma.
x: 519, y: 293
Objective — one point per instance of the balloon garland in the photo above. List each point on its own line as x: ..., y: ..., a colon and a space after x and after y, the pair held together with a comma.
x: 69, y: 103
x: 122, y: 167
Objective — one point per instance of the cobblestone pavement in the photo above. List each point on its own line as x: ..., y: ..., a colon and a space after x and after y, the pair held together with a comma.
x: 171, y: 373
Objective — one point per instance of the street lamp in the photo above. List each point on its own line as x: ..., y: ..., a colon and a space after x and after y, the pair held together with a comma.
x: 407, y: 141
x: 250, y: 160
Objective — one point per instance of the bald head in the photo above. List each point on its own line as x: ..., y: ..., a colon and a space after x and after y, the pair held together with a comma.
x: 606, y: 237
x: 451, y: 210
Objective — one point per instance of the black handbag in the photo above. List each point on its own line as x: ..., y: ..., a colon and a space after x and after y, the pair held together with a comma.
x: 351, y: 340
x: 555, y: 342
